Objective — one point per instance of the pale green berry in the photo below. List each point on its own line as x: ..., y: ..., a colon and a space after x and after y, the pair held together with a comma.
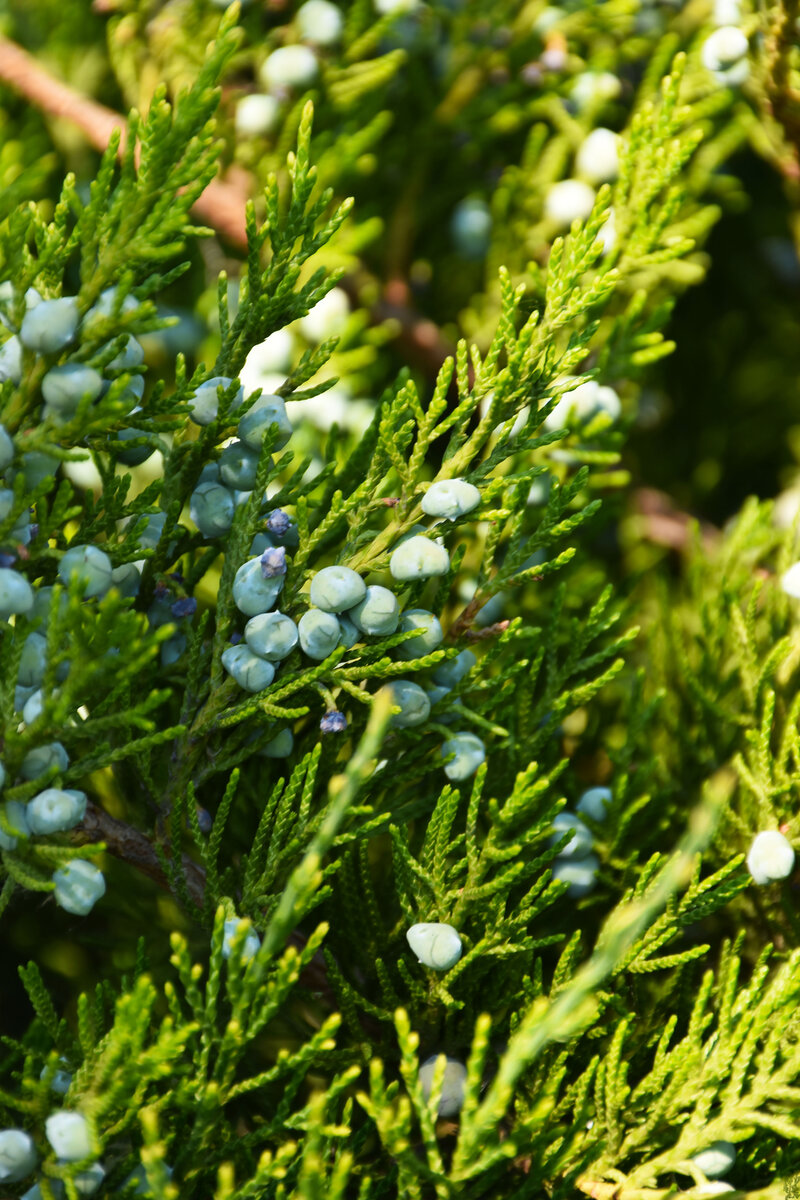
x: 430, y: 633
x: 16, y: 594
x: 78, y: 886
x: 249, y: 947
x: 87, y: 1182
x: 581, y: 842
x: 469, y: 752
x: 319, y: 632
x: 131, y: 355
x: 471, y: 227
x: 59, y: 1080
x: 64, y: 387
x: 68, y: 1134
x: 37, y: 466
x: 33, y: 663
x: 11, y: 360
x: 319, y: 22
x: 450, y: 498
x: 348, y: 633
x: 335, y: 589
x: 455, y: 1077
x: 90, y: 565
x: 50, y: 326
x: 252, y: 593
x: 436, y: 944
x: 264, y: 412
x: 55, y: 811
x: 378, y: 613
x: 271, y: 635
x: 419, y: 558
x: 33, y: 707
x: 413, y: 701
x: 127, y: 579
x: 238, y: 465
x: 249, y: 670
x: 578, y: 873
x: 451, y: 672
x: 437, y: 694
x: 716, y: 1160
x: 204, y: 405
x: 41, y: 759
x: 280, y: 746
x: 17, y: 1155
x: 6, y: 449
x: 16, y: 819
x: 595, y: 802
x: 211, y: 508
x: 172, y: 649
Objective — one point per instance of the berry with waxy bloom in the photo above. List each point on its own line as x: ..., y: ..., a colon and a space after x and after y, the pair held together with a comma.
x: 450, y: 498
x: 280, y: 746
x: 289, y: 67
x: 56, y: 811
x: 597, y: 159
x: 430, y: 633
x: 581, y: 843
x: 33, y: 662
x: 256, y: 114
x: 770, y: 858
x: 249, y: 670
x: 436, y: 944
x: 78, y: 886
x: 263, y: 413
x: 90, y: 565
x: 468, y: 753
x: 333, y: 722
x: 724, y: 54
x: 418, y: 558
x: 18, y: 1155
x: 413, y: 701
x: 42, y: 759
x: 455, y: 1076
x: 378, y: 613
x: 50, y: 326
x: 453, y: 670
x: 319, y: 632
x: 251, y: 944
x: 594, y: 802
x: 11, y: 360
x: 68, y: 1134
x: 17, y: 820
x: 6, y: 448
x: 319, y: 22
x: 252, y: 593
x: 278, y: 523
x: 238, y: 465
x: 568, y: 201
x: 16, y: 594
x: 271, y: 635
x: 65, y: 386
x: 717, y: 1159
x: 335, y: 589
x: 204, y: 405
x: 471, y: 227
x: 211, y: 508
x: 578, y: 873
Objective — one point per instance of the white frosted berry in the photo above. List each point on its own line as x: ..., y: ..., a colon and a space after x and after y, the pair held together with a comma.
x: 253, y: 592
x: 271, y: 635
x: 567, y: 201
x: 770, y: 857
x: 378, y: 614
x: 90, y: 565
x: 16, y: 594
x: 78, y: 886
x: 455, y: 1076
x: 790, y: 581
x: 429, y: 637
x: 413, y: 702
x: 87, y: 1182
x: 68, y: 1134
x: 724, y: 54
x: 436, y: 944
x: 597, y: 160
x: 716, y: 1160
x: 319, y: 632
x: 583, y: 402
x: 594, y: 87
x: 289, y: 67
x: 337, y: 588
x: 11, y: 360
x: 17, y: 1155
x: 16, y: 818
x: 256, y: 115
x: 319, y: 22
x: 450, y: 498
x: 418, y: 558
x: 452, y: 670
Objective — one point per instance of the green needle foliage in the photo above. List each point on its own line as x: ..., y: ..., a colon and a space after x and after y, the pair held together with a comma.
x: 321, y: 619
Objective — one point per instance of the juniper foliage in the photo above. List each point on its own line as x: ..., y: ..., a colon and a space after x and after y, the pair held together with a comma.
x: 249, y: 1020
